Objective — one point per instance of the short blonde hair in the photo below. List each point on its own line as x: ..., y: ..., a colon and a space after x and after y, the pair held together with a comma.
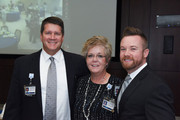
x: 95, y: 41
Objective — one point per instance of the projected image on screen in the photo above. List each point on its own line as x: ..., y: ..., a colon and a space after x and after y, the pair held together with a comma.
x: 20, y: 22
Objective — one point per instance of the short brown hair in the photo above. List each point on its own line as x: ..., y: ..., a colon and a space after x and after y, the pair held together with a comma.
x: 130, y: 31
x: 53, y: 20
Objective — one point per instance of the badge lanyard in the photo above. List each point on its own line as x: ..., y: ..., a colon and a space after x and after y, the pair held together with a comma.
x: 30, y: 90
x: 108, y: 102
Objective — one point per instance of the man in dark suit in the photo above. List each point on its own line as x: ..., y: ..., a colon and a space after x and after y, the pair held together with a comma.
x: 27, y: 93
x: 146, y: 96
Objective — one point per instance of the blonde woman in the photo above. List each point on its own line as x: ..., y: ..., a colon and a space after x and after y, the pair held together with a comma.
x: 96, y: 93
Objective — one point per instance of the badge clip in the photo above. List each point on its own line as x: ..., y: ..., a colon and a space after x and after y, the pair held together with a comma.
x: 109, y: 86
x: 31, y: 76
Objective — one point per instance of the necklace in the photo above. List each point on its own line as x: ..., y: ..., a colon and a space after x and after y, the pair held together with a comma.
x: 86, y: 116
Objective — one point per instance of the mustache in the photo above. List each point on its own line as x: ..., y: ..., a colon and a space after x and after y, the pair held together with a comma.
x: 127, y: 57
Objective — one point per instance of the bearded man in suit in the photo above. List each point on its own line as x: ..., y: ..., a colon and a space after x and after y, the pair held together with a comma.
x: 146, y: 96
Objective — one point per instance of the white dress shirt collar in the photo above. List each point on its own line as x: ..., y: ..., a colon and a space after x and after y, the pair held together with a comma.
x: 133, y: 74
x: 58, y: 56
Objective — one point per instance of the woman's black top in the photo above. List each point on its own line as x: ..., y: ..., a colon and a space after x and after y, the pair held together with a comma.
x: 102, y: 107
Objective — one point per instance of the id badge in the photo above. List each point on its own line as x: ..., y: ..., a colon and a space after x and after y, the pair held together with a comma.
x: 116, y: 89
x: 108, y: 104
x: 29, y: 90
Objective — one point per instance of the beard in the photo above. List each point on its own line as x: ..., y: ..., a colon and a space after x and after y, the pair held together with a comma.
x: 131, y: 65
x: 128, y: 66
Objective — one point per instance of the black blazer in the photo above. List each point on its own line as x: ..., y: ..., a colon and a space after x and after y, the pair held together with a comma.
x: 147, y: 98
x: 21, y: 107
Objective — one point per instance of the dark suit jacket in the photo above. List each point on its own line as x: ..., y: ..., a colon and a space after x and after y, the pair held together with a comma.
x: 146, y: 98
x: 21, y: 107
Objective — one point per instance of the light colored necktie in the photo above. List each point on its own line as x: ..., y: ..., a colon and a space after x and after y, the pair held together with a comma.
x: 124, y: 86
x: 51, y: 92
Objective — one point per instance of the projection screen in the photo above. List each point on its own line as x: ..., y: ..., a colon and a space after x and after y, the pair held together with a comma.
x: 20, y: 22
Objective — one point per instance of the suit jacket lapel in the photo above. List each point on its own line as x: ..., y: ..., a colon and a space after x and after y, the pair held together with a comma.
x: 68, y: 72
x: 36, y: 71
x: 132, y: 86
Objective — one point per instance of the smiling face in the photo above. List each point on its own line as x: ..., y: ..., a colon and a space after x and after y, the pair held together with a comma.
x: 132, y: 53
x: 96, y: 60
x: 52, y: 38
